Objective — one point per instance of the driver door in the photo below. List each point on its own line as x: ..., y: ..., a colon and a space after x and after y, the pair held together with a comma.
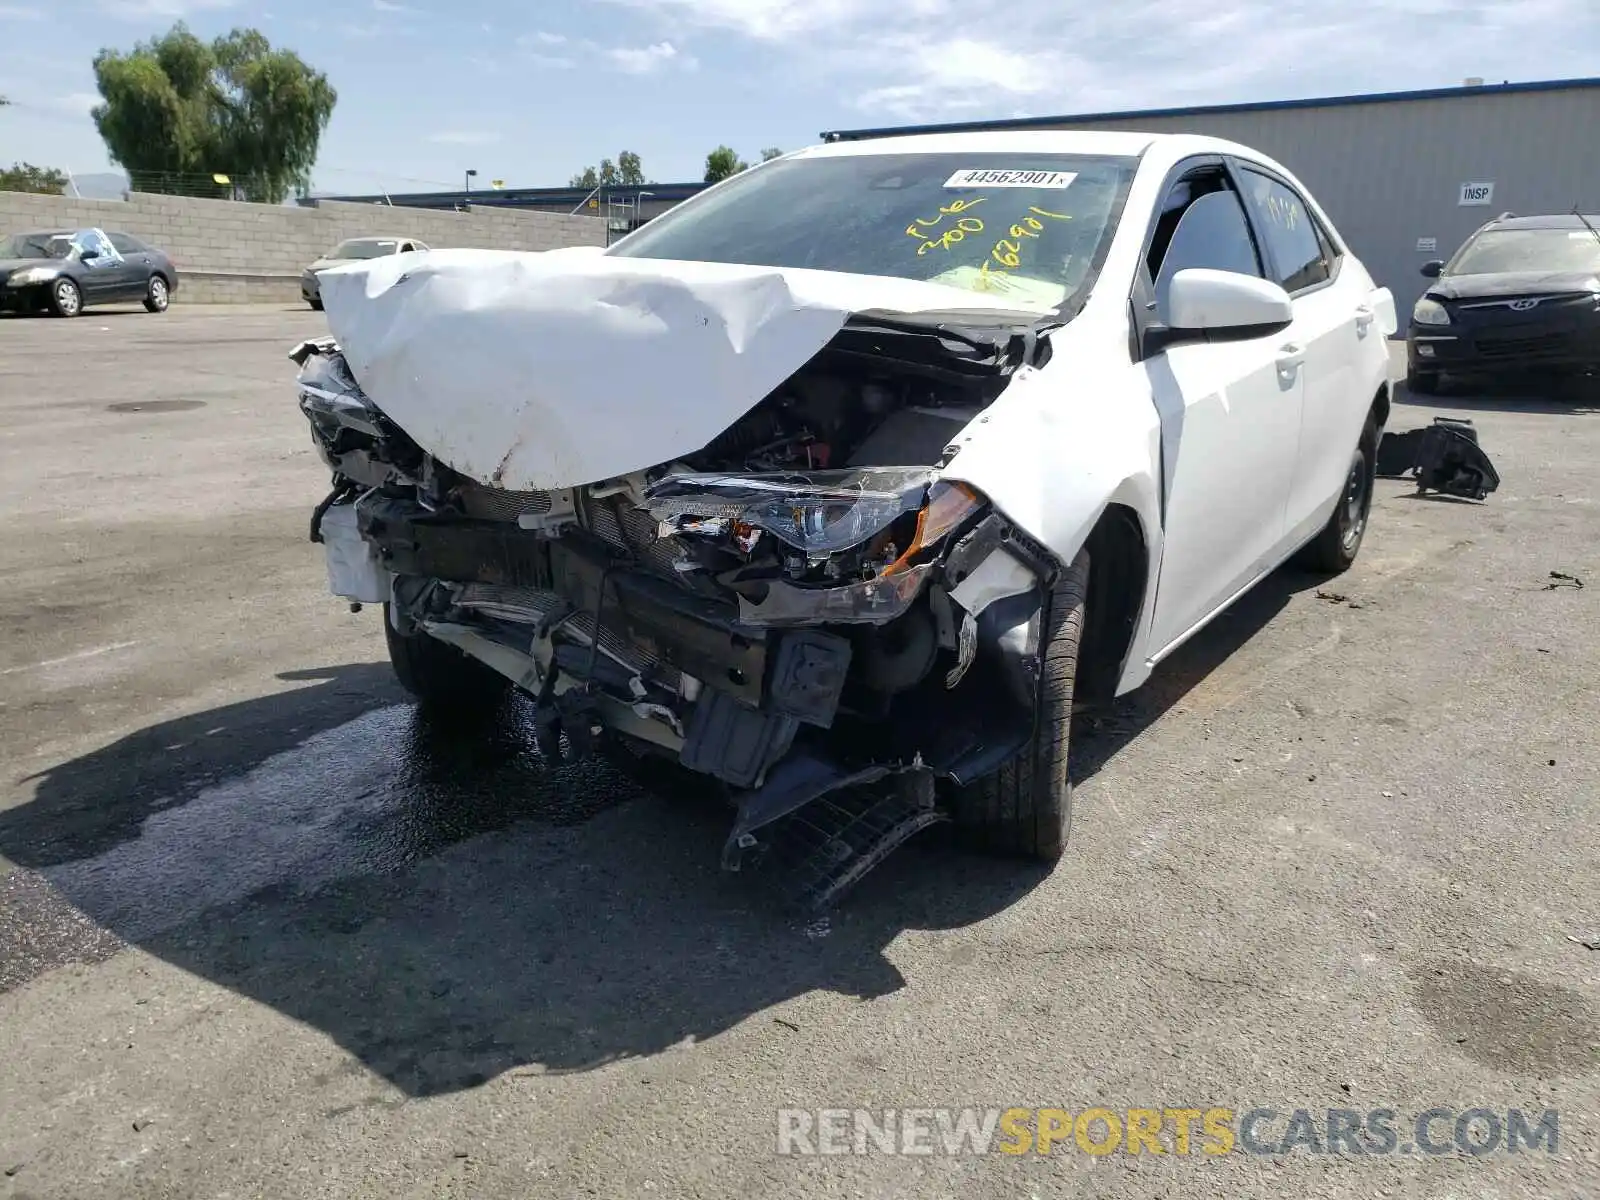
x: 105, y: 272
x: 1230, y: 415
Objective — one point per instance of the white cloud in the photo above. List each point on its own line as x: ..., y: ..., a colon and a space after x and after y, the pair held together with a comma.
x: 464, y: 137
x: 388, y: 6
x: 920, y: 59
x: 137, y: 10
x: 641, y: 60
x: 20, y: 12
x: 550, y: 39
x: 75, y: 104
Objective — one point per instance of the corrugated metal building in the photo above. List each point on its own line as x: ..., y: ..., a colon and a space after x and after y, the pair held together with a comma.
x: 1406, y: 176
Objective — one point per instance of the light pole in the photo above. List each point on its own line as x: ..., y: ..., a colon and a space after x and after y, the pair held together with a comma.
x: 470, y: 175
x: 638, y: 198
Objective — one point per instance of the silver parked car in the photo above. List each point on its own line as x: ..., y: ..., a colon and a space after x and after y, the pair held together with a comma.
x: 351, y: 250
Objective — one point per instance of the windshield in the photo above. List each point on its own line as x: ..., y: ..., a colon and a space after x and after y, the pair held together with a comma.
x: 1030, y: 227
x: 363, y: 248
x: 1503, y: 250
x: 36, y: 245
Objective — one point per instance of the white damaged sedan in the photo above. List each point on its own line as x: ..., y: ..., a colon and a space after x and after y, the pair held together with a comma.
x: 841, y: 482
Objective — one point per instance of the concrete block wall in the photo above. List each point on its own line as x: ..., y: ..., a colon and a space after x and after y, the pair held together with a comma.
x: 230, y: 251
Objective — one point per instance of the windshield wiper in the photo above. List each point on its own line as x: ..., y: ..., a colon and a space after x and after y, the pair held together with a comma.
x: 1586, y: 224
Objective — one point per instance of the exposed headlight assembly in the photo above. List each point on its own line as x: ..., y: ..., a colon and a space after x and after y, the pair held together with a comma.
x: 31, y: 275
x: 1430, y: 312
x: 819, y: 512
x: 869, y: 529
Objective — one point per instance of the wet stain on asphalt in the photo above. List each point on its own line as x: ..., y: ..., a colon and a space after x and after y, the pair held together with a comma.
x: 373, y: 795
x: 155, y: 406
x: 1509, y: 1020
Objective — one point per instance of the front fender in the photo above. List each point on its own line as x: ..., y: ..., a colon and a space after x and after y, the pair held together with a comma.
x: 1054, y: 451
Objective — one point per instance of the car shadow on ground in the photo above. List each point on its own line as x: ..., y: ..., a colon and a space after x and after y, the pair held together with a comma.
x: 310, y: 850
x: 1099, y: 735
x: 1463, y: 399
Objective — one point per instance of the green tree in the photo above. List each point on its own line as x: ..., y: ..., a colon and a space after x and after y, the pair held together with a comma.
x: 628, y: 171
x: 25, y: 177
x: 179, y: 108
x: 770, y: 153
x: 723, y: 162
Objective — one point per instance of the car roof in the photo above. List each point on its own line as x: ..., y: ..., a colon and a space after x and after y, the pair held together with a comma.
x: 379, y: 237
x: 1112, y: 143
x: 1548, y: 221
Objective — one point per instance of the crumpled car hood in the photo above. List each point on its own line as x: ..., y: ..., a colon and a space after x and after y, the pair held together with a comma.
x: 549, y: 370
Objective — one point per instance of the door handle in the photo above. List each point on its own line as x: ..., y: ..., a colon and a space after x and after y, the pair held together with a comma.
x: 1290, y: 356
x: 1364, y: 318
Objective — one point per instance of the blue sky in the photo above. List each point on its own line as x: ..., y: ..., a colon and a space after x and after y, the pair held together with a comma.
x: 532, y: 92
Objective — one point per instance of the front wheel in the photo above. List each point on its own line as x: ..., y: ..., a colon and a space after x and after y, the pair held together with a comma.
x: 1335, y: 548
x: 440, y: 676
x: 66, y: 300
x: 157, y: 296
x: 315, y: 302
x: 1025, y: 808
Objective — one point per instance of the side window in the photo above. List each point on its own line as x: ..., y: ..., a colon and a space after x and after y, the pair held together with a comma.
x: 1302, y: 251
x: 126, y: 244
x: 1201, y: 225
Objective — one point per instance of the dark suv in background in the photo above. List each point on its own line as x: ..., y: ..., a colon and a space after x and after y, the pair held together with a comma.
x: 1521, y: 296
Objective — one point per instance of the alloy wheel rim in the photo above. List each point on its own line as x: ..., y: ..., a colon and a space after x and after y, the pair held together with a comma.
x: 158, y: 293
x: 1355, y: 502
x: 67, y: 297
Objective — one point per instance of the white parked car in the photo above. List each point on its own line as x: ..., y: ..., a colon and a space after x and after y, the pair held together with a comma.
x: 864, y: 464
x: 352, y: 250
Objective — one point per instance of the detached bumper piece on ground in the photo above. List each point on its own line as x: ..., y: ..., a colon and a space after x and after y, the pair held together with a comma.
x: 1443, y: 457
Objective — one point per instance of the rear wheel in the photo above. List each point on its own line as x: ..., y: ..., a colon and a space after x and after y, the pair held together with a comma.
x: 1335, y: 548
x: 1025, y: 808
x: 157, y: 296
x: 65, y: 298
x: 315, y: 302
x: 440, y: 676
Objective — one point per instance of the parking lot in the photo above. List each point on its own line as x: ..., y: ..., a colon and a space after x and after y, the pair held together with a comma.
x: 263, y: 932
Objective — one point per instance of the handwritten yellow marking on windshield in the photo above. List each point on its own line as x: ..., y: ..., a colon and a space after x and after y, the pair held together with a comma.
x: 1008, y: 250
x: 922, y: 227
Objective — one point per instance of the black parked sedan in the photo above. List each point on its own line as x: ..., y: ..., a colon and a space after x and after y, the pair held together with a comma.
x: 1522, y: 295
x: 63, y: 271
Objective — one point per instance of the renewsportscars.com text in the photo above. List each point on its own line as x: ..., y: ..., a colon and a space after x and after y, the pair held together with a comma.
x: 1176, y: 1131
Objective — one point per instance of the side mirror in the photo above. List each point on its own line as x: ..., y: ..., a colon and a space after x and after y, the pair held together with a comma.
x: 87, y: 253
x: 1434, y: 269
x: 1226, y: 303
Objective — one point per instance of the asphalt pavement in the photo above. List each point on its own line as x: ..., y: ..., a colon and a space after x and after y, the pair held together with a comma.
x: 264, y: 932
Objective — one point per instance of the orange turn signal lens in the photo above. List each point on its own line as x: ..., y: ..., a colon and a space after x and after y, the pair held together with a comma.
x: 948, y: 505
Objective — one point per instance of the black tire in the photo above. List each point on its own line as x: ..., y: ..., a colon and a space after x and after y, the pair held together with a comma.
x: 66, y: 298
x: 1025, y: 808
x: 440, y: 676
x: 157, y: 294
x: 1423, y: 383
x: 1335, y: 548
x: 316, y: 303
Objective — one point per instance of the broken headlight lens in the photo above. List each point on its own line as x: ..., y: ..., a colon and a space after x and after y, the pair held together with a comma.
x: 816, y: 512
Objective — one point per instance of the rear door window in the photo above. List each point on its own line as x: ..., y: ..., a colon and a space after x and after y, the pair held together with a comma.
x: 1302, y: 252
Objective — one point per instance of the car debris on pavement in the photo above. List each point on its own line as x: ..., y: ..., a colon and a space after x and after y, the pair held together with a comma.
x: 1443, y: 457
